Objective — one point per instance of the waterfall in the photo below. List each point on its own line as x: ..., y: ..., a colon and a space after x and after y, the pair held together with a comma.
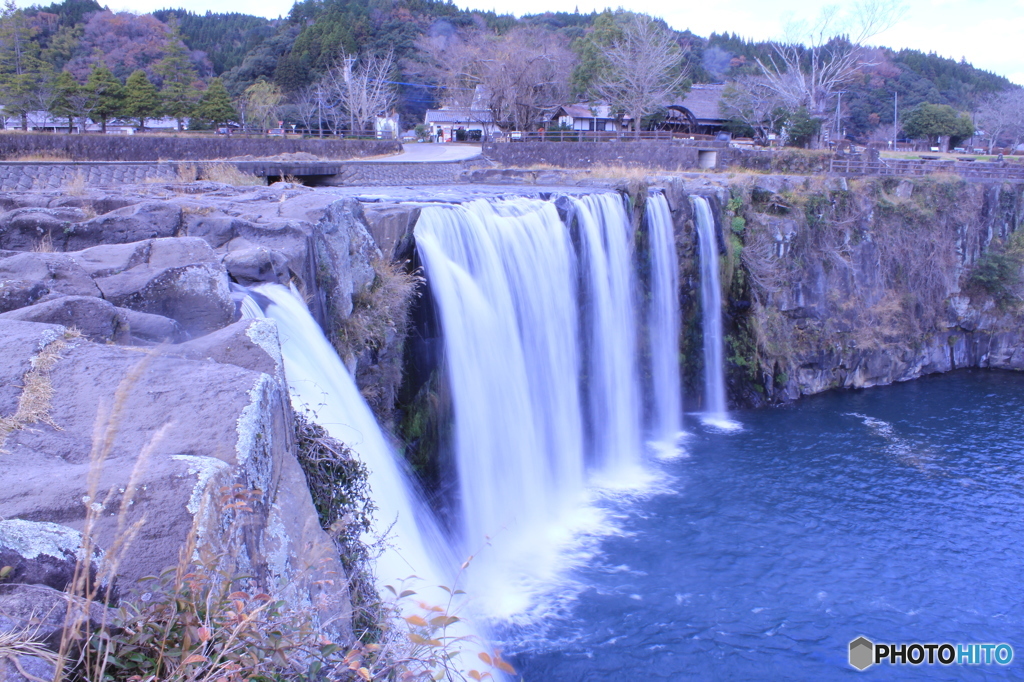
x: 504, y: 277
x: 613, y: 385
x: 320, y: 384
x: 541, y: 350
x: 663, y: 327
x: 711, y: 303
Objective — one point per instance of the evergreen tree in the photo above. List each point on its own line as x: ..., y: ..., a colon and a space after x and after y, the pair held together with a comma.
x: 141, y: 99
x: 215, y: 105
x: 65, y: 96
x: 937, y: 122
x: 107, y: 95
x: 178, y: 93
x: 23, y: 75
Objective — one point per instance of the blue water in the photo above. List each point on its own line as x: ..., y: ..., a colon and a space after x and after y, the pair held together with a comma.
x: 892, y: 513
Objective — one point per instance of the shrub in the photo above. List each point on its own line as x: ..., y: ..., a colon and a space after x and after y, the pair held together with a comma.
x: 998, y: 273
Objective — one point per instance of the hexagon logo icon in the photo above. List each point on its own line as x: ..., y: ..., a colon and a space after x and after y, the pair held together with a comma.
x: 862, y: 653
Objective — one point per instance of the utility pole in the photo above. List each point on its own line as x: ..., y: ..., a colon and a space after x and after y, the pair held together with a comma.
x: 895, y: 117
x: 839, y: 103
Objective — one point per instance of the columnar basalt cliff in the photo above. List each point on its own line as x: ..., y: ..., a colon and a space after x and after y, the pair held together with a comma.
x: 849, y: 284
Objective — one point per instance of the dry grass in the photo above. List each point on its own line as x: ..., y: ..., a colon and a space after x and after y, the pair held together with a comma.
x: 23, y: 642
x: 45, y: 244
x: 187, y: 172
x: 624, y: 173
x: 75, y: 186
x: 228, y: 174
x: 43, y: 157
x: 37, y: 391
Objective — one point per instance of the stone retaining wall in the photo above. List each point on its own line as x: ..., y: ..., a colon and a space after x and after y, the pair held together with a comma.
x: 664, y: 155
x: 183, y: 148
x: 23, y: 176
x: 369, y: 174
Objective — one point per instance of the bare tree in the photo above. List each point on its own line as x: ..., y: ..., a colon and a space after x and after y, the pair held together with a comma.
x: 307, y: 108
x: 752, y: 101
x: 1002, y: 115
x: 359, y: 89
x: 815, y: 60
x: 645, y: 69
x: 520, y: 78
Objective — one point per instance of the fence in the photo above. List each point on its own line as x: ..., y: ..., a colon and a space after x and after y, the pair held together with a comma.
x: 977, y: 170
x: 608, y: 136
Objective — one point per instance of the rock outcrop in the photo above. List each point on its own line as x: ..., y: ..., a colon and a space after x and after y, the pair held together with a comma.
x: 174, y: 452
x: 850, y: 284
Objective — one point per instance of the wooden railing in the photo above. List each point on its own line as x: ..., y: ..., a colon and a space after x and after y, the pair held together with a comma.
x: 605, y: 136
x: 977, y: 170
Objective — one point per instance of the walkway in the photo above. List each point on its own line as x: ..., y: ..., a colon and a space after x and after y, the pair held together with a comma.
x: 428, y: 152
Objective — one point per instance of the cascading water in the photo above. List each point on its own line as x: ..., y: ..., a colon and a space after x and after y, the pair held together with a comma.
x: 504, y: 277
x: 613, y: 386
x: 663, y: 327
x: 711, y: 303
x: 540, y: 321
x: 319, y: 383
x: 542, y: 357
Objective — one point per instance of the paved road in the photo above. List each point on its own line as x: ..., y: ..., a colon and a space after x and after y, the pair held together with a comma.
x: 429, y: 152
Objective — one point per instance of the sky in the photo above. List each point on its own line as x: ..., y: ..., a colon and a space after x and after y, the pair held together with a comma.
x: 985, y: 32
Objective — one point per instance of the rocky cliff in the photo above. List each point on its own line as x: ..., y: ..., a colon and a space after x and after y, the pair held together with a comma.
x: 139, y: 415
x: 849, y: 284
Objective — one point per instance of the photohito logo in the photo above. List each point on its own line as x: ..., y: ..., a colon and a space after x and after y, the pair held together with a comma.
x: 865, y: 653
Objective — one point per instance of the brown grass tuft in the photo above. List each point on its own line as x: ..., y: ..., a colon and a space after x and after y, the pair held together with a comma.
x: 43, y: 157
x: 228, y: 174
x: 75, y: 186
x: 37, y: 391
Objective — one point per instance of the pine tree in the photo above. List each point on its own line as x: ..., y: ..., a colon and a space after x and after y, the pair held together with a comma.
x: 178, y: 93
x: 107, y: 95
x: 65, y: 94
x: 23, y: 75
x: 215, y: 104
x: 141, y: 99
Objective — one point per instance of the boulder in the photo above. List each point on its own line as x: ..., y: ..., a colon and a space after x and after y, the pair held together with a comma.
x: 111, y: 259
x: 24, y: 229
x: 43, y: 611
x: 148, y: 328
x: 42, y: 553
x: 25, y: 668
x: 135, y: 223
x: 18, y: 293
x: 97, y: 319
x: 175, y: 448
x: 249, y: 263
x: 176, y: 278
x: 216, y: 229
x: 250, y: 343
x: 26, y: 278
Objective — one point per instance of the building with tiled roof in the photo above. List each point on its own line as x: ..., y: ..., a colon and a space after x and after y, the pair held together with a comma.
x: 700, y: 110
x: 587, y: 116
x: 445, y: 122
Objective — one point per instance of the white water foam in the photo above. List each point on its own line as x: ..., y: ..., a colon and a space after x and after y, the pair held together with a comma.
x: 715, y: 414
x: 543, y: 358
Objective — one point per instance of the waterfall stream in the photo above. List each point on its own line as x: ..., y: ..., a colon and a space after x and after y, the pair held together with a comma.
x: 321, y: 386
x: 663, y: 328
x: 541, y: 321
x: 715, y: 412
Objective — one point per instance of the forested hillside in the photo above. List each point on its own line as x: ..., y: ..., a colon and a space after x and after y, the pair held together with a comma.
x: 416, y: 41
